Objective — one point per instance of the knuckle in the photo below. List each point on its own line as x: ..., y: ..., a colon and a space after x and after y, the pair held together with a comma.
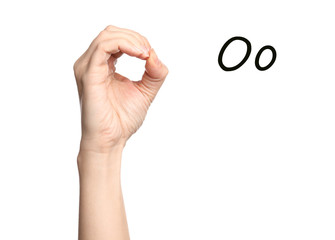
x: 110, y: 27
x: 76, y: 66
x: 77, y: 71
x: 102, y: 34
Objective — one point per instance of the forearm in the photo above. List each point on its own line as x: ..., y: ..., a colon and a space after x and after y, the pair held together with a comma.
x: 101, y: 212
x: 113, y: 107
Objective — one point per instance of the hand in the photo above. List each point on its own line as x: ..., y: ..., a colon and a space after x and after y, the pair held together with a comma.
x: 112, y: 106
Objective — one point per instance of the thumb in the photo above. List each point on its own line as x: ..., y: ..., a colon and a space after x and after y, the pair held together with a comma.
x: 154, y: 75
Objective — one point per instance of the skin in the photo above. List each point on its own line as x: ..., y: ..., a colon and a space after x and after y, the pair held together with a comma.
x: 112, y: 109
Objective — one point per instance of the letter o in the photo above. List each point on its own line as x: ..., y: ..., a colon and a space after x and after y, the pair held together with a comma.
x: 246, y: 41
x: 274, y: 56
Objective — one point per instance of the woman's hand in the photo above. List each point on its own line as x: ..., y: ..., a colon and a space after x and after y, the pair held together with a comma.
x: 112, y: 106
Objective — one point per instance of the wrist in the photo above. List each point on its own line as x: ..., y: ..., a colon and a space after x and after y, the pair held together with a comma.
x: 101, y: 146
x: 99, y: 163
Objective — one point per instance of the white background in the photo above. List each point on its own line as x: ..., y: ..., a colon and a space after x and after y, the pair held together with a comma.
x: 221, y: 155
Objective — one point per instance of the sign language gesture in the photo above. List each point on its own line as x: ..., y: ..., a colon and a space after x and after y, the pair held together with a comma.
x: 112, y: 106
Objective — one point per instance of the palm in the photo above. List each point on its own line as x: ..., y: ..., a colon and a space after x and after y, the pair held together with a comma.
x: 127, y: 104
x: 115, y: 109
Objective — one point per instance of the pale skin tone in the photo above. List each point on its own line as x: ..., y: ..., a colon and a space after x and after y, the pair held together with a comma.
x: 112, y: 109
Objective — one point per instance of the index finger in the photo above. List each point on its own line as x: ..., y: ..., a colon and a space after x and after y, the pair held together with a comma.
x: 108, y: 47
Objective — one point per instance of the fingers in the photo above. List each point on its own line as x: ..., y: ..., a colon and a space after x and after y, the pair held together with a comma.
x: 140, y: 37
x: 153, y: 77
x: 115, y: 43
x: 110, y: 44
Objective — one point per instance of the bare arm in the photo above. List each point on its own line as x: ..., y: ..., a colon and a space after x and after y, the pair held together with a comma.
x: 112, y: 109
x: 101, y: 211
